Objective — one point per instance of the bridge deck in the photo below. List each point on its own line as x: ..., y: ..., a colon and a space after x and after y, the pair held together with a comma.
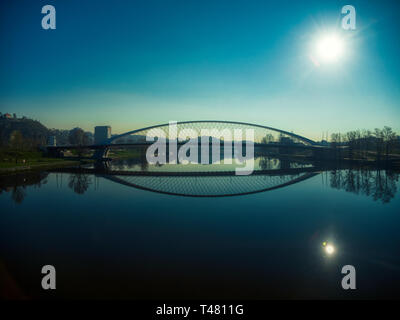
x: 183, y: 173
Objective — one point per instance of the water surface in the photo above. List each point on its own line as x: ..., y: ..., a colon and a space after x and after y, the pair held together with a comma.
x: 163, y: 240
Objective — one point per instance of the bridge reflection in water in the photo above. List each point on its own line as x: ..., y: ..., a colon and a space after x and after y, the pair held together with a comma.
x: 196, y: 180
x: 270, y: 173
x: 210, y: 185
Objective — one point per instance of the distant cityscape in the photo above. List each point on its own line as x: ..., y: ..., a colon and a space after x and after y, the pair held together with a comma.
x: 10, y: 123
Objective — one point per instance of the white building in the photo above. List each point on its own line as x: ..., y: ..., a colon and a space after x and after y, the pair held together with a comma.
x: 52, y: 141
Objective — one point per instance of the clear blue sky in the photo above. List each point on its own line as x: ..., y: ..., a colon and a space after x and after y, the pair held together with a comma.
x: 130, y: 64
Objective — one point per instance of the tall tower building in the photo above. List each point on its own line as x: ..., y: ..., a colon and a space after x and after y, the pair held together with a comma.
x: 101, y: 134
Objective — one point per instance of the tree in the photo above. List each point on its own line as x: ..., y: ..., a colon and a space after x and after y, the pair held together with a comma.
x: 336, y: 141
x: 351, y: 141
x: 79, y: 182
x: 366, y: 142
x: 268, y: 138
x: 18, y: 194
x: 16, y: 140
x: 77, y: 137
x: 379, y: 143
x: 389, y: 139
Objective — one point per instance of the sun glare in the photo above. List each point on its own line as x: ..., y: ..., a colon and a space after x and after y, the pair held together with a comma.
x: 329, y: 248
x: 329, y: 48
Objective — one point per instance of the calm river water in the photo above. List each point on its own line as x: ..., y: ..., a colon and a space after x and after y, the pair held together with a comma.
x: 201, y: 236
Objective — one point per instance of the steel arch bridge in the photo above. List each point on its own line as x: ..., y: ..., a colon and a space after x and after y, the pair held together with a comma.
x: 264, y: 136
x: 260, y: 130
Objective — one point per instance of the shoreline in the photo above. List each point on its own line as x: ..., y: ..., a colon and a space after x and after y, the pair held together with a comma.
x: 41, y: 166
x: 394, y: 165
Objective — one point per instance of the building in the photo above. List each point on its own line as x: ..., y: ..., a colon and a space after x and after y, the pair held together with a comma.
x: 101, y: 134
x: 52, y: 141
x: 286, y: 140
x: 89, y: 137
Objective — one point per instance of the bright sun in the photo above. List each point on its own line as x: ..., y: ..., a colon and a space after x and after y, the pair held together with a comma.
x: 329, y: 248
x: 329, y: 48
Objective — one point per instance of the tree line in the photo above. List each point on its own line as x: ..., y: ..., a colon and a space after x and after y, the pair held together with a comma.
x: 24, y: 138
x: 16, y: 140
x: 378, y: 184
x: 378, y: 145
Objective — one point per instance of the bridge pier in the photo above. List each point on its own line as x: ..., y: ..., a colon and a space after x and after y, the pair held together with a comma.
x: 101, y: 154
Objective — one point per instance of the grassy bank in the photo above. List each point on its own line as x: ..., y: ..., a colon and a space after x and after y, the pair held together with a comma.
x: 16, y: 161
x: 43, y: 165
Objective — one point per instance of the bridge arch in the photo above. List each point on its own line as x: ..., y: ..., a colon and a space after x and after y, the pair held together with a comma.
x: 215, y: 122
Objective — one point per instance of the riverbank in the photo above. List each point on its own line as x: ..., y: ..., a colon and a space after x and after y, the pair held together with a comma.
x: 13, y: 161
x: 10, y: 168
